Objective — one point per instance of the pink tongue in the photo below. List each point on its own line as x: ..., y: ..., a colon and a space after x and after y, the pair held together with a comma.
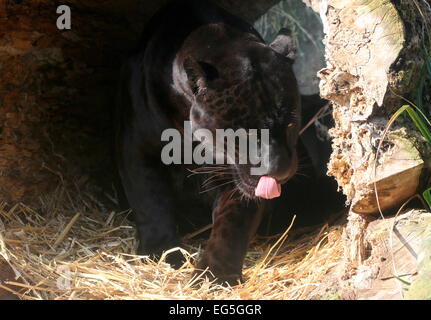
x: 268, y: 188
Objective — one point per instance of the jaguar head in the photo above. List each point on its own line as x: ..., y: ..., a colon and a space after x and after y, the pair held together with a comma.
x: 245, y: 84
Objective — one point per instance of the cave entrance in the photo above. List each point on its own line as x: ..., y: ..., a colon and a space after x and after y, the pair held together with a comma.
x: 315, y: 148
x: 59, y: 87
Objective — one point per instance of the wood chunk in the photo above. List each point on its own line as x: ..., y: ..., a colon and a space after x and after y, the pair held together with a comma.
x: 397, y: 178
x: 394, y: 247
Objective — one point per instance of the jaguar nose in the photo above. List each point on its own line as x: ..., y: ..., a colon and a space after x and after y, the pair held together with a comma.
x: 282, y: 165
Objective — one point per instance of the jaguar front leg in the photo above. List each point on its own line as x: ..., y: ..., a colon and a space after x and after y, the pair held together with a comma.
x: 235, y: 223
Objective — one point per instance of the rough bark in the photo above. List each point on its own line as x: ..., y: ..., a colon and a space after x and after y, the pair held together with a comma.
x: 374, y: 52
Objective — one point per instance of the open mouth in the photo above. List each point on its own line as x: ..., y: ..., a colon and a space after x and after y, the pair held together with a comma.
x: 248, y: 191
x: 256, y: 186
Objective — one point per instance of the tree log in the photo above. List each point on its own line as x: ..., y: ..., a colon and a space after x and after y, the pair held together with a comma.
x: 374, y: 53
x: 374, y: 56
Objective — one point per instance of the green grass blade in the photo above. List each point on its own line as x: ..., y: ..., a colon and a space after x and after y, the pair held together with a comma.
x: 419, y: 123
x: 427, y: 196
x: 402, y: 281
x: 420, y: 89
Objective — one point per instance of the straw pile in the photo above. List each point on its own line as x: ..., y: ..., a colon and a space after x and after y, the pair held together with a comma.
x: 73, y: 249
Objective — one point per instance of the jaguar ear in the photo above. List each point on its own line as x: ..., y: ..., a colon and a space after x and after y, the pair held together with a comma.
x: 199, y: 74
x: 286, y: 44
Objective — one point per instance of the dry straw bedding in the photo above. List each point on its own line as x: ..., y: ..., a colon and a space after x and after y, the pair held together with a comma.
x: 73, y: 249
